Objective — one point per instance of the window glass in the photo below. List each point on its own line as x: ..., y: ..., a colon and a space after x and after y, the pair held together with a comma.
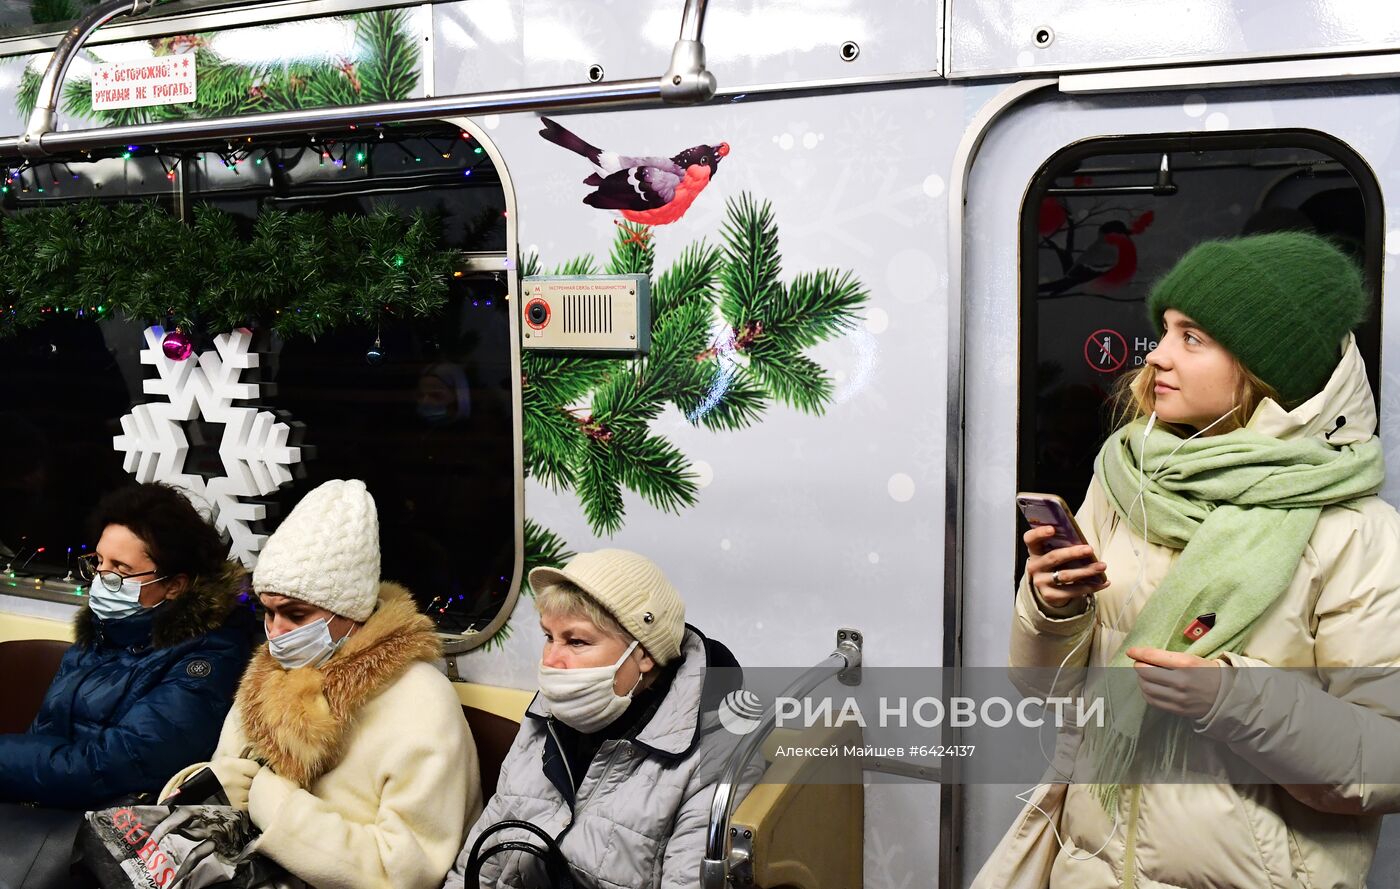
x: 1105, y: 219
x: 417, y: 406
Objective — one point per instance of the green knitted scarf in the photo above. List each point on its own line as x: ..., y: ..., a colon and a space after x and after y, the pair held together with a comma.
x: 1241, y: 507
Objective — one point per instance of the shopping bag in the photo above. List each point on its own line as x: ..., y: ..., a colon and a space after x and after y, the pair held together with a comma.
x: 199, y: 844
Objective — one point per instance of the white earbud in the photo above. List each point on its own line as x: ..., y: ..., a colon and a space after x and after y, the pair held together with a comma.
x: 1141, y: 498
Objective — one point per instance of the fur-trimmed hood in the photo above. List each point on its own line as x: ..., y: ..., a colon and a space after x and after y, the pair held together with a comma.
x: 202, y: 609
x: 296, y: 720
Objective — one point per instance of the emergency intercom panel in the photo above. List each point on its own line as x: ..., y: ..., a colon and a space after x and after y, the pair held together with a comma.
x: 594, y: 313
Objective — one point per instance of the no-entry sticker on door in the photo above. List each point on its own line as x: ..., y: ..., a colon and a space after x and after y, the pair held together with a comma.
x: 1105, y: 350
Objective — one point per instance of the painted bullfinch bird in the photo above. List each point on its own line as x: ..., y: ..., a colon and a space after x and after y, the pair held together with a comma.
x: 646, y: 190
x: 1108, y: 263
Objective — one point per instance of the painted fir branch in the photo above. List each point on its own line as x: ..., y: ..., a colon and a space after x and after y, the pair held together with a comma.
x: 299, y: 272
x: 729, y: 337
x: 385, y: 68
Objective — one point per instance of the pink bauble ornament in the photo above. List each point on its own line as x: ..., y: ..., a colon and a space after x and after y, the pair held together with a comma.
x: 177, y: 345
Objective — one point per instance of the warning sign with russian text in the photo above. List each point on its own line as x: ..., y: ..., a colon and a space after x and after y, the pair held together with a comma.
x: 163, y: 80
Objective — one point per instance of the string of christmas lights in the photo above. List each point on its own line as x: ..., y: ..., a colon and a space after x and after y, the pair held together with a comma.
x: 338, y: 153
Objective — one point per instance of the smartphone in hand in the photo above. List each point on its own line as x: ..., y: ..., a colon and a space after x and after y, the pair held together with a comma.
x: 1051, y: 509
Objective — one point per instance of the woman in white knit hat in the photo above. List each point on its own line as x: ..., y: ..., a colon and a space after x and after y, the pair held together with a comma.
x: 619, y: 752
x: 346, y: 745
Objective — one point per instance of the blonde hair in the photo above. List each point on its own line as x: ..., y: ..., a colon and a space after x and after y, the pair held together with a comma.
x: 1133, y: 397
x: 564, y: 599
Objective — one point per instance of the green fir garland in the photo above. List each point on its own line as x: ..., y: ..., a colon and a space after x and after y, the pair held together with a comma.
x: 298, y: 272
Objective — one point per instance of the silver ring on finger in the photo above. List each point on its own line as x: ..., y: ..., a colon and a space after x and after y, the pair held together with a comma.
x: 1055, y: 578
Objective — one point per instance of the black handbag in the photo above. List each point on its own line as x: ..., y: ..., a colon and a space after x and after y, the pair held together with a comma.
x: 555, y: 864
x: 36, y: 848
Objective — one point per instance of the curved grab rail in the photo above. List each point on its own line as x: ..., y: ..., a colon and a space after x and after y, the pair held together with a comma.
x: 45, y: 115
x: 685, y: 82
x: 843, y: 663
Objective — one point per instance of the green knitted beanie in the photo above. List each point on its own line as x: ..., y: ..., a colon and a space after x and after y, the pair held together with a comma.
x: 1281, y: 303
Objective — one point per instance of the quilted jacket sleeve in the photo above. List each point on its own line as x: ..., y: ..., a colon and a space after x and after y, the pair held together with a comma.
x: 685, y: 849
x: 524, y: 753
x: 232, y: 744
x: 176, y: 720
x: 1334, y: 747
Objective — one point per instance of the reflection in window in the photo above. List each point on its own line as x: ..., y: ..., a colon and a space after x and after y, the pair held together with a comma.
x: 21, y: 17
x: 418, y: 407
x: 1105, y: 219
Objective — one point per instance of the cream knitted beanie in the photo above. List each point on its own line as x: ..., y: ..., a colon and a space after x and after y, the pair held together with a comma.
x: 633, y: 590
x: 326, y: 551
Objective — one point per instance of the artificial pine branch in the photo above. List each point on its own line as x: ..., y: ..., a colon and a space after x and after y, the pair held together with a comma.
x: 730, y: 398
x: 633, y: 252
x: 722, y: 382
x: 557, y: 441
x: 815, y: 307
x: 27, y: 93
x: 479, y: 229
x: 599, y: 487
x: 70, y: 257
x: 656, y: 469
x: 390, y: 67
x: 750, y: 275
x: 793, y: 379
x: 45, y: 12
x: 690, y: 280
x: 386, y: 70
x: 579, y: 265
x: 543, y: 549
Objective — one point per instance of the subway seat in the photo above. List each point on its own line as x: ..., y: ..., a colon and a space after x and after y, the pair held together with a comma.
x: 803, y: 824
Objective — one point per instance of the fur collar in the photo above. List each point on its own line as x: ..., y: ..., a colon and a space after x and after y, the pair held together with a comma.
x: 203, y: 608
x: 296, y: 720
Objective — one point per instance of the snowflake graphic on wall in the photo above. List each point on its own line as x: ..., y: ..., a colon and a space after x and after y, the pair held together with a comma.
x: 252, y: 450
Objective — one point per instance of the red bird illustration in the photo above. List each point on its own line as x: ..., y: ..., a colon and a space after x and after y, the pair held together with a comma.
x: 1108, y: 263
x: 646, y: 190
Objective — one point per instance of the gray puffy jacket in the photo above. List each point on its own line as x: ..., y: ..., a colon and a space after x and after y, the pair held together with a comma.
x: 642, y: 809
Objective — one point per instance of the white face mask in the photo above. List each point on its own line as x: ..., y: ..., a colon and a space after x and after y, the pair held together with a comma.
x: 583, y: 698
x: 309, y: 645
x: 115, y: 605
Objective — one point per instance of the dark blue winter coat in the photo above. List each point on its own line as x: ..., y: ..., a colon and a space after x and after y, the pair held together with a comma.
x: 135, y: 700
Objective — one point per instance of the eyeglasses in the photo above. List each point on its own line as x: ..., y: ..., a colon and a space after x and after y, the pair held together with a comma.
x: 110, y: 580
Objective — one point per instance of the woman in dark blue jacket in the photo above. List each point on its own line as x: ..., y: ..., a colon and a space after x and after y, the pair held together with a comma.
x: 159, y: 651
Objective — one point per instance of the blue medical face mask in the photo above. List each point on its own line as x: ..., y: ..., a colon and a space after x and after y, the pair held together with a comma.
x: 309, y: 645
x: 124, y: 601
x: 433, y: 413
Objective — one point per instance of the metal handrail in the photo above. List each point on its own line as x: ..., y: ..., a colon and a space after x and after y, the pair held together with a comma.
x: 44, y: 117
x: 685, y: 82
x: 843, y: 663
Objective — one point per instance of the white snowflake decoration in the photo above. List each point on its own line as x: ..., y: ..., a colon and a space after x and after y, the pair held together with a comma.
x: 253, y: 449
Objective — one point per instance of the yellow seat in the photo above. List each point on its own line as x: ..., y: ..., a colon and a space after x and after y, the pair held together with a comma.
x: 494, y: 715
x: 805, y: 824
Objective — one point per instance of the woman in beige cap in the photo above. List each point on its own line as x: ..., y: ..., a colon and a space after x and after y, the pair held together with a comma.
x: 619, y: 751
x: 346, y: 745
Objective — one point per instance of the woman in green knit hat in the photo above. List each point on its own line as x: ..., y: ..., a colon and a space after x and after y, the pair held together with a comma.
x: 1235, y: 517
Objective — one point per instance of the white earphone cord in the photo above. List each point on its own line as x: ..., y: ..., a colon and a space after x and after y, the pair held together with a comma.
x: 1141, y: 498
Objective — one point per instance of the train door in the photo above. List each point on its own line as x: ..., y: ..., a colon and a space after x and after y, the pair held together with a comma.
x: 1075, y: 205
